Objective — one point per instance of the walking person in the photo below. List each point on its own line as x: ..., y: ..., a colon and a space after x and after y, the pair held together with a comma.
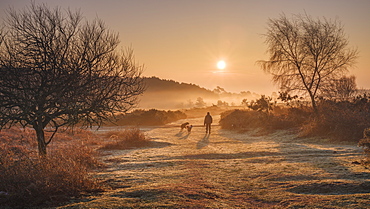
x: 207, y: 122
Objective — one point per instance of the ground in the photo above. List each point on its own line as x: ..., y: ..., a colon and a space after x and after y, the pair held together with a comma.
x: 231, y: 170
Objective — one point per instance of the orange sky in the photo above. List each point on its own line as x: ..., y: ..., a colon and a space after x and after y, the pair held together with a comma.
x: 183, y: 39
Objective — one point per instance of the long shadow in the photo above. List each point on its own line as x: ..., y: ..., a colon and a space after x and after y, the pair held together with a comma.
x: 181, y: 134
x: 186, y: 136
x: 332, y: 188
x: 326, y: 160
x: 329, y: 162
x: 204, y: 142
x: 241, y: 155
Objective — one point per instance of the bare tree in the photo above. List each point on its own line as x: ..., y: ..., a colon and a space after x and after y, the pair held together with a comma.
x: 200, y: 102
x: 305, y: 54
x: 58, y: 70
x: 342, y: 88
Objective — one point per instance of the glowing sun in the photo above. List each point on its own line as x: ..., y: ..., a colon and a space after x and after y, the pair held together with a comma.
x: 221, y: 65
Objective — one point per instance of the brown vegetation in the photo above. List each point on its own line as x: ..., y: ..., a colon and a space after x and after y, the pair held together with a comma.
x: 280, y: 118
x: 30, y: 180
x: 126, y: 139
x: 338, y: 120
x: 152, y: 117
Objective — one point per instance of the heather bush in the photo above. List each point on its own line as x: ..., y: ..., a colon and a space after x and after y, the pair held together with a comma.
x: 28, y: 180
x: 344, y: 120
x: 339, y: 121
x: 150, y: 117
x: 126, y: 139
x: 280, y: 118
x: 243, y: 119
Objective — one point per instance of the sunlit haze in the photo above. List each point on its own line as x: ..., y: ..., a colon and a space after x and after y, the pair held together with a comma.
x: 185, y: 40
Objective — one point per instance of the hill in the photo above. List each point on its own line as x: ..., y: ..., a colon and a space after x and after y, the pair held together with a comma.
x: 156, y: 84
x: 170, y: 94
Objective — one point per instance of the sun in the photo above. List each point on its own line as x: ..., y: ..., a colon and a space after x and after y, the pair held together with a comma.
x: 221, y: 65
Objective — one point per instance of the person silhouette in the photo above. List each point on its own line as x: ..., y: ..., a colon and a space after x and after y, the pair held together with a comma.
x: 207, y: 122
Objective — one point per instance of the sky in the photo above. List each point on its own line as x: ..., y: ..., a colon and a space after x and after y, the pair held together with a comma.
x: 183, y: 40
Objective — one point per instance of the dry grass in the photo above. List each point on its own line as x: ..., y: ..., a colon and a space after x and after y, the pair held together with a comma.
x: 126, y: 139
x: 29, y: 180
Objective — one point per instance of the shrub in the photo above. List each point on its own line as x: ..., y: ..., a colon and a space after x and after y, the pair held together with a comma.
x: 150, y: 117
x: 342, y: 120
x: 338, y: 120
x: 28, y: 180
x: 246, y: 119
x: 243, y: 119
x: 127, y: 139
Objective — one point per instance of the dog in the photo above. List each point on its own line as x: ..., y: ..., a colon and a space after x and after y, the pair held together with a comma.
x: 184, y: 125
x: 189, y: 128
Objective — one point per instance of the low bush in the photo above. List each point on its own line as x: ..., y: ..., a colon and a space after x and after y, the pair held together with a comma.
x: 28, y: 180
x: 344, y: 121
x: 243, y: 119
x: 247, y: 119
x: 126, y: 139
x: 150, y: 117
x: 338, y: 120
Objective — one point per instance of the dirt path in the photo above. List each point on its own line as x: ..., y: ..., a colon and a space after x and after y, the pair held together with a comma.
x: 229, y: 170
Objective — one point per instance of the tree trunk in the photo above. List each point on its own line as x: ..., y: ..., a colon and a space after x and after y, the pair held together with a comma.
x: 313, y: 102
x: 40, y: 139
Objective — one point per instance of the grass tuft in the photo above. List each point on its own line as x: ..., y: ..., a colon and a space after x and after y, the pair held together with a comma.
x: 126, y: 139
